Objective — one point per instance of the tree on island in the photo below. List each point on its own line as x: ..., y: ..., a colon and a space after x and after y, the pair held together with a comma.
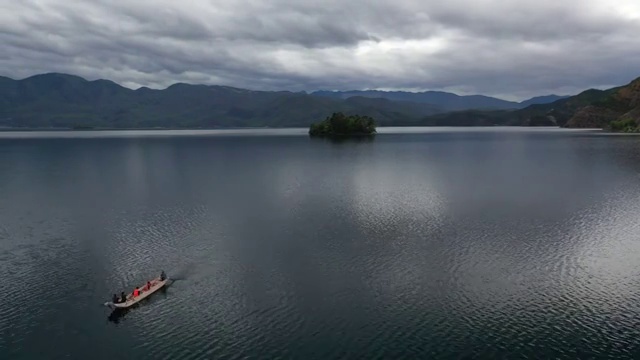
x: 339, y: 124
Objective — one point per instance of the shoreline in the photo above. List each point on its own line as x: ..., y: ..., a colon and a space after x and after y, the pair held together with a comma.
x: 15, y: 129
x: 48, y: 129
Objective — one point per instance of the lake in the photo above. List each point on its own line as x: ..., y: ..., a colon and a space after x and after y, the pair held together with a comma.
x: 441, y: 243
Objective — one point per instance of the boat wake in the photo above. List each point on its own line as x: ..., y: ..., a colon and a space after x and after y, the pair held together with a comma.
x: 117, y: 314
x: 181, y: 274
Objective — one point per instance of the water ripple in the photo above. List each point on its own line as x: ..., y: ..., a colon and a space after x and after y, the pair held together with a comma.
x: 437, y: 245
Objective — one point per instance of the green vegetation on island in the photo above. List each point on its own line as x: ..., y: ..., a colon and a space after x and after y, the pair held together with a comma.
x: 341, y: 125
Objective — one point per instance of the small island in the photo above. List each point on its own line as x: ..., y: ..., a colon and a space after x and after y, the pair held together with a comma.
x: 340, y: 125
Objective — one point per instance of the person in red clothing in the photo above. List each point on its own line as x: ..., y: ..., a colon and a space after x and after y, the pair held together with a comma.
x: 136, y: 292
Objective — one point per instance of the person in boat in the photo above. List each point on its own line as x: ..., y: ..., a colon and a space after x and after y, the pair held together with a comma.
x: 148, y: 286
x: 123, y: 297
x: 115, y: 299
x: 136, y: 292
x: 163, y: 276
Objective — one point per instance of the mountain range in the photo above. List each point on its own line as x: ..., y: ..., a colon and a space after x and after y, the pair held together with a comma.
x: 62, y: 101
x: 617, y: 108
x: 444, y: 100
x: 66, y: 101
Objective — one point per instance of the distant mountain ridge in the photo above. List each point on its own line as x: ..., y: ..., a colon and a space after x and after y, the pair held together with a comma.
x: 445, y: 100
x: 545, y: 99
x: 66, y: 101
x: 617, y: 109
x: 61, y: 101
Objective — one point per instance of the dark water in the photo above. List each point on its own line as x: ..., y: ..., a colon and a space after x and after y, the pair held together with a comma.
x: 444, y: 244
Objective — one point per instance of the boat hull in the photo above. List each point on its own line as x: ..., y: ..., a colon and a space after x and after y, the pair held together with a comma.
x: 156, y: 284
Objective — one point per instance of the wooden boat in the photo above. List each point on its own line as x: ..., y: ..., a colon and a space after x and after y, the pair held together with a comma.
x: 156, y: 284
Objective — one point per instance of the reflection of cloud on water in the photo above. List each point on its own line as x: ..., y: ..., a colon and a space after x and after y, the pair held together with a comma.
x: 386, y: 195
x: 607, y: 249
x: 396, y: 208
x: 499, y: 258
x: 544, y: 274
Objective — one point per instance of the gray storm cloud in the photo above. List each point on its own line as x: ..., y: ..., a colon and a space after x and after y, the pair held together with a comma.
x: 512, y: 49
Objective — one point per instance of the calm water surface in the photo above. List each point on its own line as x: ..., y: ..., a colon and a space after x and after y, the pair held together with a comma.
x: 438, y: 243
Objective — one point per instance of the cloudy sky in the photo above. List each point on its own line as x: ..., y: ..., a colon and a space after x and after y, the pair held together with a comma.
x: 508, y: 48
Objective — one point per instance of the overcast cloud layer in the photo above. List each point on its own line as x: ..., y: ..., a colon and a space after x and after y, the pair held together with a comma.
x: 508, y: 48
